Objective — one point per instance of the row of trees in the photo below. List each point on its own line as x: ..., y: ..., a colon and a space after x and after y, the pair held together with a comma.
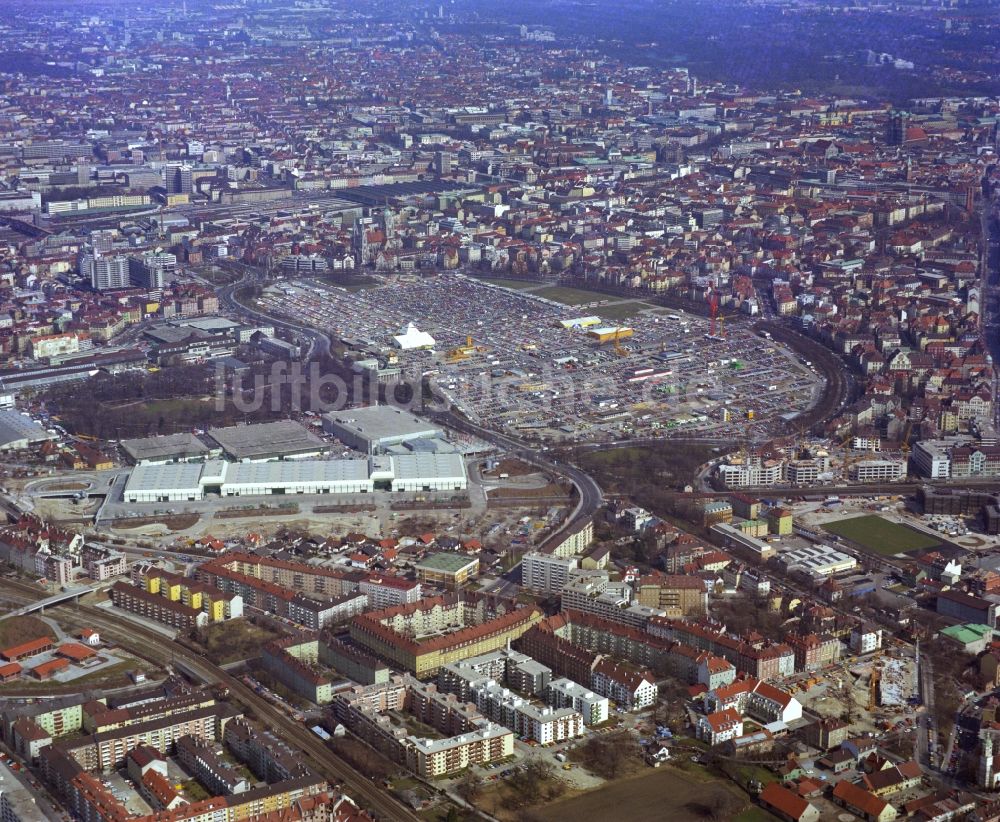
x: 533, y: 783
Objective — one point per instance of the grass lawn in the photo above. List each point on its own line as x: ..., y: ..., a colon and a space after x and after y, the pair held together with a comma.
x: 621, y: 311
x: 747, y: 771
x: 194, y: 791
x: 879, y: 536
x: 570, y: 296
x: 517, y: 285
x: 15, y: 630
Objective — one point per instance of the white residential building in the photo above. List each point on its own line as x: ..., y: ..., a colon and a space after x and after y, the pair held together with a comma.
x: 565, y: 693
x: 865, y: 639
x: 631, y: 690
x: 546, y: 573
x: 932, y: 459
x: 542, y: 724
x: 719, y: 727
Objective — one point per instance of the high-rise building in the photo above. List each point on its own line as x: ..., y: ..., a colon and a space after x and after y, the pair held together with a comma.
x: 105, y: 273
x: 895, y: 128
x: 154, y: 269
x: 179, y: 179
x: 103, y: 241
x: 443, y: 163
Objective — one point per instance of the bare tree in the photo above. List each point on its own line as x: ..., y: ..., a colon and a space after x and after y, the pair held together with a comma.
x: 470, y: 786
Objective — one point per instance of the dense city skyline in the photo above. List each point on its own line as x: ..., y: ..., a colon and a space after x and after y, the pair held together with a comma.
x: 458, y: 410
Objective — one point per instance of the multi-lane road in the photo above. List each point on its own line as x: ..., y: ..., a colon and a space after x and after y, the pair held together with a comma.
x: 589, y: 494
x: 319, y: 343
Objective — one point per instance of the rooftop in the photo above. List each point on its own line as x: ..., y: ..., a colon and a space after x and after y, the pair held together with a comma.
x: 267, y: 440
x: 377, y: 422
x: 449, y: 563
x: 171, y: 446
x: 15, y: 426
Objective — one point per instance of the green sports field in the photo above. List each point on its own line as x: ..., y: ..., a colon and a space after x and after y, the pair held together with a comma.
x: 879, y: 536
x: 569, y: 296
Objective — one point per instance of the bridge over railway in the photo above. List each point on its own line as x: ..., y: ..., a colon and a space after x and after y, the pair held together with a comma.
x: 48, y: 602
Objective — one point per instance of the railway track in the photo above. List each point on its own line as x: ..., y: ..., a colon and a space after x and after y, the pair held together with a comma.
x: 153, y: 646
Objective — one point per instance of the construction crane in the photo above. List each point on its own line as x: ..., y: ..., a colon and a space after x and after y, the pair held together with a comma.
x: 620, y: 350
x: 873, y: 682
x: 905, y: 447
x: 463, y: 352
x: 722, y: 324
x: 713, y: 310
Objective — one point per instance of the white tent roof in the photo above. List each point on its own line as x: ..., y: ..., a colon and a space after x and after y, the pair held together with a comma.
x: 413, y: 337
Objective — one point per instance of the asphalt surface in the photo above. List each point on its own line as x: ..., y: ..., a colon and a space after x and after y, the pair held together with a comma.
x: 589, y: 495
x: 319, y: 343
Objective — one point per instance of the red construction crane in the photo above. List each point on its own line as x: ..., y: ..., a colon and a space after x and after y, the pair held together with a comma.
x: 713, y: 308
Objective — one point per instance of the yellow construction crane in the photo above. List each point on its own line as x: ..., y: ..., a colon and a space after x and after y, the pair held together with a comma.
x: 873, y: 682
x: 905, y: 448
x: 463, y: 352
x: 620, y: 350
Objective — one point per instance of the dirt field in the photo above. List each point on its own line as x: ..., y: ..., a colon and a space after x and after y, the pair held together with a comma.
x: 553, y: 490
x: 233, y: 640
x: 174, y: 522
x: 663, y: 793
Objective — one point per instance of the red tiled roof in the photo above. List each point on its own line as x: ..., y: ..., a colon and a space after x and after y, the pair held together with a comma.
x: 48, y: 668
x: 783, y: 800
x: 75, y: 651
x: 9, y: 670
x: 32, y: 646
x: 857, y: 797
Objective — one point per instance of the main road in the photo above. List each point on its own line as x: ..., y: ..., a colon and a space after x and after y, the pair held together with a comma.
x: 589, y: 494
x: 319, y: 343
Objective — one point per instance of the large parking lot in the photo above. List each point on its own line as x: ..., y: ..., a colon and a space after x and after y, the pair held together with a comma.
x: 525, y: 371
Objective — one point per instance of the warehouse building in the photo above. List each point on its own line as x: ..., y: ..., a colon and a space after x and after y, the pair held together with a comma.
x: 284, y: 439
x: 188, y: 482
x: 165, y: 482
x: 18, y: 431
x: 375, y: 428
x: 169, y: 448
x: 817, y: 560
x: 297, y: 477
x: 610, y: 333
x: 429, y: 472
